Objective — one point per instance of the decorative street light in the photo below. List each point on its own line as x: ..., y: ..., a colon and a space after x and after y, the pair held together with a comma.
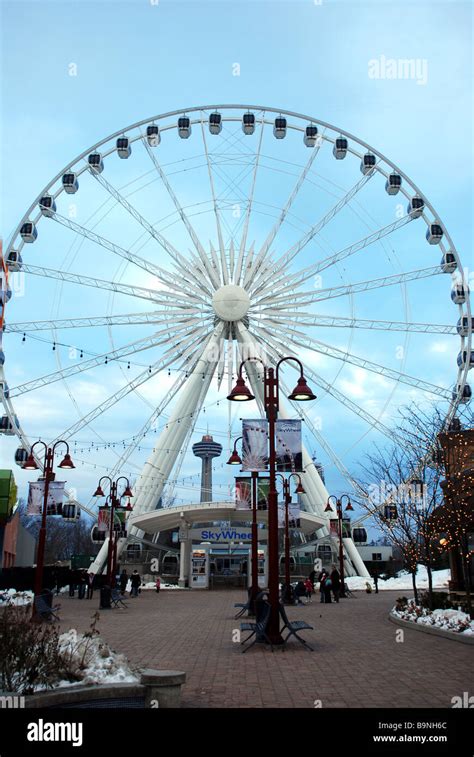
x: 241, y: 393
x: 48, y: 465
x: 234, y: 459
x: 328, y: 509
x: 114, y: 505
x: 287, y: 598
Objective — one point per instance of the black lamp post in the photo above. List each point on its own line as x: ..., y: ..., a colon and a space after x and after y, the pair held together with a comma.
x: 241, y: 393
x: 114, y: 505
x: 328, y: 509
x: 30, y: 464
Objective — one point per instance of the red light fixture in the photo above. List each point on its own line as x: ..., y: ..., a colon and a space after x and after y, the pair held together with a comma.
x: 240, y: 392
x: 67, y: 462
x: 328, y: 508
x: 301, y: 392
x: 128, y: 492
x: 98, y: 492
x: 349, y: 506
x: 234, y: 459
x: 300, y: 489
x: 30, y: 463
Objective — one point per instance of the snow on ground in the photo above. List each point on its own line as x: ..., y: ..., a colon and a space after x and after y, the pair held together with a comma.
x: 403, y: 581
x: 448, y: 620
x: 14, y: 597
x: 152, y: 585
x: 93, y: 660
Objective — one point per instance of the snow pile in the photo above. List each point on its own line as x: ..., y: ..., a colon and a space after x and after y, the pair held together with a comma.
x: 14, y: 597
x: 152, y: 585
x: 91, y: 661
x: 448, y: 620
x: 403, y: 581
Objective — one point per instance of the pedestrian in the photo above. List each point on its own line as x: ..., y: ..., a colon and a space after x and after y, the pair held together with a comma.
x: 336, y: 583
x: 90, y: 585
x: 136, y: 583
x: 158, y: 584
x: 376, y: 582
x: 123, y: 581
x: 72, y: 585
x: 322, y: 580
x: 312, y: 577
x: 82, y: 586
x: 309, y: 589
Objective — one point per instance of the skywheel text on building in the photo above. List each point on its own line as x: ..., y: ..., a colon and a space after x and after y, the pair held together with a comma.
x: 242, y: 230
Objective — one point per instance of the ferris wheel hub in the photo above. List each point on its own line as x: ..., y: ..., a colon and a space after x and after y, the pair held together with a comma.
x: 231, y: 302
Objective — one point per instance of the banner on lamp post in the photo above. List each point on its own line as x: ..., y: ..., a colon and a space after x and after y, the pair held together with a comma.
x: 255, y: 445
x: 288, y: 446
x: 243, y: 493
x: 54, y: 504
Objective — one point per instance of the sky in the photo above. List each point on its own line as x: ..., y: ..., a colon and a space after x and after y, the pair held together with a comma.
x: 75, y: 72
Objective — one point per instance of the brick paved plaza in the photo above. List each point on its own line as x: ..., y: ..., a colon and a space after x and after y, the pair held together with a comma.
x: 356, y: 663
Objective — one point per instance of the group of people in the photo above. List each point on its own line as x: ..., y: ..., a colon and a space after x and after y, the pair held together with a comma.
x: 135, y: 583
x: 329, y: 582
x: 85, y: 585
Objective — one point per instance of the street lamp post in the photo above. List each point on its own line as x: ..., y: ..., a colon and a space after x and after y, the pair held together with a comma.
x: 48, y: 465
x: 328, y: 509
x: 287, y: 598
x: 234, y: 459
x: 114, y: 505
x: 241, y: 393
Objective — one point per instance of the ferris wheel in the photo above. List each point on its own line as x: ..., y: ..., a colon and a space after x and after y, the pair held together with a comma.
x: 165, y: 253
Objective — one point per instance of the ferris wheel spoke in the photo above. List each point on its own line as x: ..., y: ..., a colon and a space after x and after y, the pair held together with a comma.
x: 297, y: 299
x: 158, y: 296
x: 187, y: 223
x: 312, y: 319
x: 381, y: 370
x: 248, y: 211
x: 162, y: 241
x: 72, y: 323
x: 163, y: 276
x: 115, y: 397
x: 129, y: 349
x: 263, y: 252
x: 224, y: 269
x: 283, y: 262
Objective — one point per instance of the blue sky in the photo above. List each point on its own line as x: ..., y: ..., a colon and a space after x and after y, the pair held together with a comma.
x: 138, y: 59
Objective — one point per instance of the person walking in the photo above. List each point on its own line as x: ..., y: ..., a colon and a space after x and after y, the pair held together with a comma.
x: 300, y: 591
x: 322, y: 580
x: 136, y: 583
x: 376, y: 582
x: 312, y: 577
x: 309, y: 589
x: 123, y: 581
x: 335, y: 583
x: 82, y: 586
x: 90, y: 585
x: 158, y: 584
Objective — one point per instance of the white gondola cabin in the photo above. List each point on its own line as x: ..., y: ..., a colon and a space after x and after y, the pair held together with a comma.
x: 184, y: 127
x: 393, y: 184
x: 95, y: 162
x: 14, y: 261
x: 459, y: 293
x: 153, y: 136
x: 464, y: 394
x: 6, y: 427
x: 462, y: 326
x: 248, y: 123
x: 416, y: 206
x: 310, y: 135
x: 70, y: 183
x: 464, y: 360
x: 434, y: 233
x: 279, y: 128
x: 28, y: 232
x: 124, y: 149
x: 21, y: 456
x: 448, y: 263
x: 47, y: 206
x: 340, y: 148
x: 71, y: 511
x: 215, y: 123
x: 367, y: 163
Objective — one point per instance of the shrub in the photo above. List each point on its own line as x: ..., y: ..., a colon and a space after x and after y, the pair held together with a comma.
x: 439, y: 600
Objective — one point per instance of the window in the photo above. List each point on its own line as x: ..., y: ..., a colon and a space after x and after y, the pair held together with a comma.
x: 376, y: 557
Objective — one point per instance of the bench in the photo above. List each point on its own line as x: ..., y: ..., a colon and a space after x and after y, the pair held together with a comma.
x: 117, y: 599
x: 293, y: 626
x: 259, y: 627
x: 44, y: 611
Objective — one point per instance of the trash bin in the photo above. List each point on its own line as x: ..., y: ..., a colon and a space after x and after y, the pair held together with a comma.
x: 105, y: 593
